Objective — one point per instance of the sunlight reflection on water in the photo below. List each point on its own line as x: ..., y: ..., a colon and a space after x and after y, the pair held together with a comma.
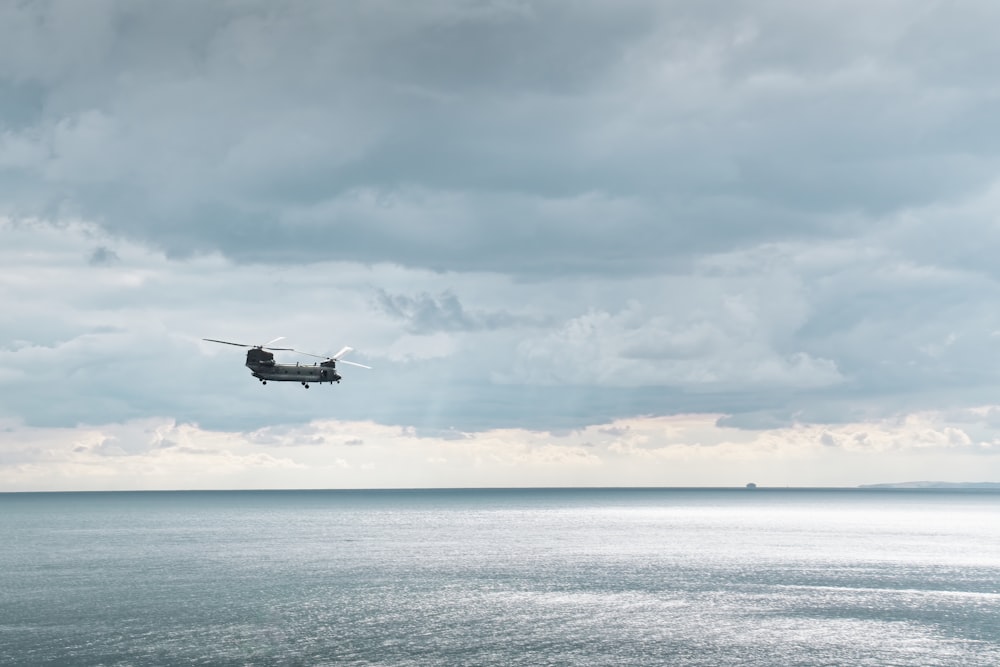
x: 517, y: 577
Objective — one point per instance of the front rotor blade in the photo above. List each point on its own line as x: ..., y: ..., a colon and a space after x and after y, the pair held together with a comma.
x: 271, y: 342
x: 342, y: 352
x: 353, y: 363
x: 226, y: 342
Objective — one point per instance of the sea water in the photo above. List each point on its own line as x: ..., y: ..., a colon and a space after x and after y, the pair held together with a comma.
x: 501, y: 577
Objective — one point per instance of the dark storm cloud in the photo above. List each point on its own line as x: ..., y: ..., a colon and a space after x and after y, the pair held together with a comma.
x: 20, y: 103
x: 535, y: 137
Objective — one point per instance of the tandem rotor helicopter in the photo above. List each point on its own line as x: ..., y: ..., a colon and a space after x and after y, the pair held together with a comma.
x: 261, y: 364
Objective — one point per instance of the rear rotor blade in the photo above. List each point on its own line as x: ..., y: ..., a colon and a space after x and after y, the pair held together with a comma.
x: 226, y: 342
x: 344, y: 351
x: 318, y: 356
x: 336, y: 357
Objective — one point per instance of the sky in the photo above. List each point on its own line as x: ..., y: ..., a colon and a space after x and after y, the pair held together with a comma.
x: 642, y: 242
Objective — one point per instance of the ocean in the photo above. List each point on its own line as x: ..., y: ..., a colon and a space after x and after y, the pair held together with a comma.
x: 501, y: 577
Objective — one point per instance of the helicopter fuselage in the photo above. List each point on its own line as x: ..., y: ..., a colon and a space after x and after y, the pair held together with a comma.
x: 262, y: 366
x: 294, y: 373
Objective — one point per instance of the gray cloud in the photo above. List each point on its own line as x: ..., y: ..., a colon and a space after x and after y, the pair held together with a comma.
x: 425, y: 313
x: 102, y: 256
x: 567, y: 212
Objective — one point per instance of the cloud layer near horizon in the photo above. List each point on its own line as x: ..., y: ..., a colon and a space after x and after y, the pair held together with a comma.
x: 682, y: 450
x: 526, y: 215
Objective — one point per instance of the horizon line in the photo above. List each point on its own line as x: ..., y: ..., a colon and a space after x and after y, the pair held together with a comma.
x: 902, y: 486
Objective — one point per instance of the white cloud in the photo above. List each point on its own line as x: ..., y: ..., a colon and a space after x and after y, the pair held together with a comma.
x: 717, y: 340
x: 684, y: 450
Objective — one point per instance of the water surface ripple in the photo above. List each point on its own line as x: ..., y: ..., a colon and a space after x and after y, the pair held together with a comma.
x: 501, y: 577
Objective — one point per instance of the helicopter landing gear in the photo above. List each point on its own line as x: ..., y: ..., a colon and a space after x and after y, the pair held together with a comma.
x: 305, y: 385
x: 263, y: 381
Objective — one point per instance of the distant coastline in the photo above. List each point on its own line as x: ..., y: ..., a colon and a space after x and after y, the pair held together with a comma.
x: 933, y: 485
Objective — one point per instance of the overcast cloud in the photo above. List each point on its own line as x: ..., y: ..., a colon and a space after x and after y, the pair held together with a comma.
x: 538, y: 221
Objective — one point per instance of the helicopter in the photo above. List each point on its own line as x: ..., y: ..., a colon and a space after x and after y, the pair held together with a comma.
x: 261, y: 363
